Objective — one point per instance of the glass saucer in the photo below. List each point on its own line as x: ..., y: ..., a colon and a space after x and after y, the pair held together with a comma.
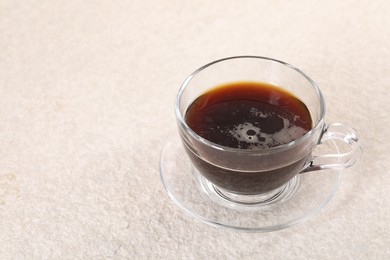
x: 305, y: 195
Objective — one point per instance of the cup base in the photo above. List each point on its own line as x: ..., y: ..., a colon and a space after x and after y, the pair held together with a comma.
x: 263, y: 201
x: 298, y: 200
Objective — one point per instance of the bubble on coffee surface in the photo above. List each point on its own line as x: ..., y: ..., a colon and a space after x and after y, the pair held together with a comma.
x: 256, y: 113
x: 250, y: 136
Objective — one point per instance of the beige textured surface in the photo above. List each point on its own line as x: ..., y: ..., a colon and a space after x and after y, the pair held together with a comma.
x: 87, y: 90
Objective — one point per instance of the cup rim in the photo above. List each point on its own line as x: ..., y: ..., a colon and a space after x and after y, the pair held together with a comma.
x: 183, y: 124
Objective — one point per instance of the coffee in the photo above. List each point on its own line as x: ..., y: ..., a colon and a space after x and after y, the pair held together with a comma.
x: 248, y: 116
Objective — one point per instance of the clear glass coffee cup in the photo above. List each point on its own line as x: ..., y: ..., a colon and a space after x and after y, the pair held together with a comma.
x: 259, y: 176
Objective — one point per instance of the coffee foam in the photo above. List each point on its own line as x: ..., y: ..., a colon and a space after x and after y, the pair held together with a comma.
x: 254, y: 138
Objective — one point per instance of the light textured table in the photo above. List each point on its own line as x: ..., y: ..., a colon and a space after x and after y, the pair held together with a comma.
x: 87, y: 91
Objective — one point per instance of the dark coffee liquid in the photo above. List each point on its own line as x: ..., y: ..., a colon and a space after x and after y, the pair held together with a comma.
x: 248, y: 115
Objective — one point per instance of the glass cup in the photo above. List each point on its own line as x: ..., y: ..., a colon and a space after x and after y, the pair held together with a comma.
x: 259, y: 176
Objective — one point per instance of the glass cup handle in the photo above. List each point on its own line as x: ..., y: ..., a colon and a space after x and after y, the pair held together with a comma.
x: 340, y: 160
